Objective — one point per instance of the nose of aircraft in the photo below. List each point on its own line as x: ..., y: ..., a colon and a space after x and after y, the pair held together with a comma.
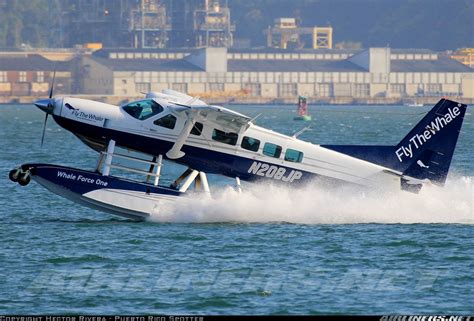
x: 46, y: 105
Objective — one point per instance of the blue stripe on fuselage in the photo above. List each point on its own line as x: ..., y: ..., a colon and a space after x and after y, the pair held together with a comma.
x: 201, y: 159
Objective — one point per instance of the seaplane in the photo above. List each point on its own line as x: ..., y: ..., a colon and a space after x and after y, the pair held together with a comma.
x: 173, y: 126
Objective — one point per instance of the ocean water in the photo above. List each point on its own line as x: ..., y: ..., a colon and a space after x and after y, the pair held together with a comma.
x: 269, y: 250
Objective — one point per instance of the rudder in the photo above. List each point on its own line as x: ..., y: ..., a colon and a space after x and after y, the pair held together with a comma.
x: 429, y: 147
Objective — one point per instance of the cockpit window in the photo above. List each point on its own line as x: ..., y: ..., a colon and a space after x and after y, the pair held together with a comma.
x: 197, y: 129
x: 143, y: 109
x: 168, y: 121
x: 250, y: 143
x: 223, y: 137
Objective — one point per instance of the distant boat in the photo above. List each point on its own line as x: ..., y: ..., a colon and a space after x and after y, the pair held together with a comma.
x: 413, y: 104
x: 302, y: 110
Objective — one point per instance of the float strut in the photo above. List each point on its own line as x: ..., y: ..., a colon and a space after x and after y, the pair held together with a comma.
x: 189, y: 180
x: 181, y: 178
x: 100, y: 162
x: 205, y: 184
x: 108, y: 158
x: 197, y: 183
x: 158, y: 169
x: 237, y: 185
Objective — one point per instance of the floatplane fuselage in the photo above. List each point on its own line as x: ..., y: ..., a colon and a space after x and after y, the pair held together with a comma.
x: 213, y: 139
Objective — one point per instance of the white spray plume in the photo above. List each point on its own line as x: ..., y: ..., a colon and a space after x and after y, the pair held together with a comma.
x: 317, y: 205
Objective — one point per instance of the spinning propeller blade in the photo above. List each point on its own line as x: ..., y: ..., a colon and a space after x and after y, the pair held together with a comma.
x: 52, y: 85
x: 50, y: 106
x: 44, y: 129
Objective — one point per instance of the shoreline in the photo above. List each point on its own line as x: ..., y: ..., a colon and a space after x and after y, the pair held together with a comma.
x: 119, y: 100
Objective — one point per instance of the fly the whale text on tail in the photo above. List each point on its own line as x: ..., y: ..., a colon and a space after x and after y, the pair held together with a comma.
x: 434, y: 127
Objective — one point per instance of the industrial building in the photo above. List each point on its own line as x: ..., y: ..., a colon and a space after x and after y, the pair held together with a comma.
x: 27, y: 75
x: 121, y: 23
x: 200, y: 23
x: 464, y: 56
x: 147, y: 23
x: 286, y: 34
x: 374, y: 74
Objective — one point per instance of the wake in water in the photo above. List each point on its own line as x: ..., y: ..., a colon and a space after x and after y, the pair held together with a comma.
x: 317, y: 205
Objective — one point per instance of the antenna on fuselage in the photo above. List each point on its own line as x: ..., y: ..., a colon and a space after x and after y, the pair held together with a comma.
x: 253, y: 119
x: 295, y: 135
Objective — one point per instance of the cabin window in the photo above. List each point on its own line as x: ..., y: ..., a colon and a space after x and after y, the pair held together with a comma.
x: 168, y: 121
x: 223, y: 137
x: 197, y: 129
x: 292, y: 155
x: 143, y: 109
x: 250, y: 143
x: 272, y: 150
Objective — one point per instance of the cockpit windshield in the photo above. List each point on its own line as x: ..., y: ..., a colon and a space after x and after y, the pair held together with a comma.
x: 143, y: 109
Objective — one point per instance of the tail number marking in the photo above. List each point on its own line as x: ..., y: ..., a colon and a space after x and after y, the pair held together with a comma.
x: 275, y: 172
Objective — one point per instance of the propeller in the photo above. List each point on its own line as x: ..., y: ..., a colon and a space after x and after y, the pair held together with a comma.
x: 47, y: 106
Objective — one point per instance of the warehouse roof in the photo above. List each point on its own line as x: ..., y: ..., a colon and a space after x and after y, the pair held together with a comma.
x: 288, y: 51
x: 442, y: 64
x: 293, y: 65
x: 105, y: 53
x: 411, y: 51
x: 148, y: 64
x: 23, y: 62
x: 234, y: 65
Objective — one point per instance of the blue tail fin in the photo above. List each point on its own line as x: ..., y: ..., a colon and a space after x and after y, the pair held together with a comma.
x: 426, y: 152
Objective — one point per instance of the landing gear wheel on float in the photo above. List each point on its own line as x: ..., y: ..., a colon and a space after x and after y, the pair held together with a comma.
x: 13, y: 175
x: 24, y: 179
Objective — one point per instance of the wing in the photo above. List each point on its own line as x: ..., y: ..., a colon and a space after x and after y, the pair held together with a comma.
x: 173, y: 96
x: 224, y: 118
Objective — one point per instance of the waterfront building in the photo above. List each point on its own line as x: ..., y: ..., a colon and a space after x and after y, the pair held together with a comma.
x: 374, y: 73
x: 24, y: 74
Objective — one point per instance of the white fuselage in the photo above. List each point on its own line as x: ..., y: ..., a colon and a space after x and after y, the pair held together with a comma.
x: 96, y: 121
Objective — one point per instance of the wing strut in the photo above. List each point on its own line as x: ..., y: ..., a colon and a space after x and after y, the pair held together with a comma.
x: 175, y: 151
